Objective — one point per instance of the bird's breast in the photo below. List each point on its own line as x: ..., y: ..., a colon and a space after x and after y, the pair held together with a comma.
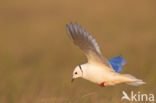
x: 97, y: 74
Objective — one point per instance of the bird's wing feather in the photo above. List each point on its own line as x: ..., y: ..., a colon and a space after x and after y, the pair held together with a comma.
x: 87, y: 44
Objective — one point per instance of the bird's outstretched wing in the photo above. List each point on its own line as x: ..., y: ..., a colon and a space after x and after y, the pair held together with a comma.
x: 87, y: 44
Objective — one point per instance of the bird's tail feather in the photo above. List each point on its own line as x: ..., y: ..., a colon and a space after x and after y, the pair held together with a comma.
x: 135, y: 81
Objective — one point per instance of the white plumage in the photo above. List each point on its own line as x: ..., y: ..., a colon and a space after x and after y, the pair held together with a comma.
x: 98, y: 69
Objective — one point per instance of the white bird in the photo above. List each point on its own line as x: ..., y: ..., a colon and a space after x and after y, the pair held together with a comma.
x: 98, y: 69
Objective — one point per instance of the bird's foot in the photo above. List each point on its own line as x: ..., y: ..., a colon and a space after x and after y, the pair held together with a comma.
x: 102, y: 84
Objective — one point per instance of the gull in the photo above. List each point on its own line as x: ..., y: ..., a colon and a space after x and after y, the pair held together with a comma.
x: 98, y: 69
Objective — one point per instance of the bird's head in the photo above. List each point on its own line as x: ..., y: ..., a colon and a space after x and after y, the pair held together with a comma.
x: 78, y: 72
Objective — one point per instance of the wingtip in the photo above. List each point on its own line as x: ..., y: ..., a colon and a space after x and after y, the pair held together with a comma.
x: 72, y: 24
x: 67, y: 26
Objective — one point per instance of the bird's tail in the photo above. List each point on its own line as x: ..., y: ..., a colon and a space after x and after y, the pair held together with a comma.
x: 133, y: 80
x: 136, y: 83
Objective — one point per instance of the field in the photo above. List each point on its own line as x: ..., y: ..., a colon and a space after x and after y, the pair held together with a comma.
x: 37, y: 58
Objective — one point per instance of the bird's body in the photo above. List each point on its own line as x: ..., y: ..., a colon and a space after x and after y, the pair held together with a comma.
x: 97, y: 73
x: 100, y: 75
x: 98, y: 70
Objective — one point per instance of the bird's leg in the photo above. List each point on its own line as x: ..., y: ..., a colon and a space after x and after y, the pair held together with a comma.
x: 102, y: 84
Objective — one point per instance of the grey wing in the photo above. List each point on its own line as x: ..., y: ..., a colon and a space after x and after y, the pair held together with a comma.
x: 86, y: 43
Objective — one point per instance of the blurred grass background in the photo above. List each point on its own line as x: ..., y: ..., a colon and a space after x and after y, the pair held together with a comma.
x: 37, y: 58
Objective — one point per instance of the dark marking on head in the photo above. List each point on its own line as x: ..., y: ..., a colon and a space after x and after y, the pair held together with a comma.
x: 81, y: 69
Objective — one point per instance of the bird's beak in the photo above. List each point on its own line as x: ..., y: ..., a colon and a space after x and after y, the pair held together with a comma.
x: 72, y: 80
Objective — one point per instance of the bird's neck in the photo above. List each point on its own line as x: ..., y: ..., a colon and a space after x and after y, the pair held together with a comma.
x: 84, y: 69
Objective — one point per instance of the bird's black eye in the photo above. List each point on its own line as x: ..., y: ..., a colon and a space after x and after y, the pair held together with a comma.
x: 75, y: 72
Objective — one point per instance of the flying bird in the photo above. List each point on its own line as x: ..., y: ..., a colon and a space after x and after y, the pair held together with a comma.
x: 98, y: 69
